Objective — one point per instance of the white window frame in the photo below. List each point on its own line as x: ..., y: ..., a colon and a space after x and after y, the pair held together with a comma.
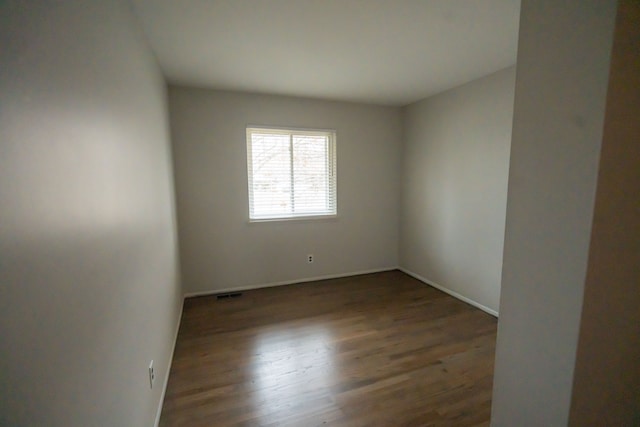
x: 331, y: 160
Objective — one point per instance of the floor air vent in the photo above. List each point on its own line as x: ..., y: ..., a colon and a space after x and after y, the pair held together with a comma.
x: 229, y: 295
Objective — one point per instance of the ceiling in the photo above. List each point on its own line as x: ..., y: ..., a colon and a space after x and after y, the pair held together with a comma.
x: 389, y: 52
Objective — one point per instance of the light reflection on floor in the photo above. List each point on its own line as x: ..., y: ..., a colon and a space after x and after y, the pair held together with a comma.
x: 291, y: 366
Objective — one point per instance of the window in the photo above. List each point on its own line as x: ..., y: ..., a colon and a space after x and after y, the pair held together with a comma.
x: 292, y: 173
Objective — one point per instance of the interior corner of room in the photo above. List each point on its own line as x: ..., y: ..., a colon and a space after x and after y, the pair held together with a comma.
x: 124, y: 190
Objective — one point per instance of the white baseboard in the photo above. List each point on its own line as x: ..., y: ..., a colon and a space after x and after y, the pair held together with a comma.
x: 450, y: 292
x: 168, y: 370
x: 286, y: 282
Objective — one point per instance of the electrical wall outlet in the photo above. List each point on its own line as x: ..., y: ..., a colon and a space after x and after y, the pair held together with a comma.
x: 310, y: 258
x: 152, y: 375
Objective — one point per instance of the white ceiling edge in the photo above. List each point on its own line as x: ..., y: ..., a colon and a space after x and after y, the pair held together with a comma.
x: 381, y: 103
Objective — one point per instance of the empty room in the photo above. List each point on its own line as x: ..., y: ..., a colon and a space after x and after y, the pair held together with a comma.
x: 319, y: 213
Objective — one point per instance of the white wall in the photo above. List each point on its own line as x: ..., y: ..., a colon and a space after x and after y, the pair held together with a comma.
x: 221, y: 250
x: 562, y: 72
x: 88, y: 262
x: 455, y: 168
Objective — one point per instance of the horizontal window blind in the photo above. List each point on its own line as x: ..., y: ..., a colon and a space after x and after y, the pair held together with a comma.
x: 292, y: 173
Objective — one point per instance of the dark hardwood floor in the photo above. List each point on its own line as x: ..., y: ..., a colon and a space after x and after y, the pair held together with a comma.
x: 374, y: 350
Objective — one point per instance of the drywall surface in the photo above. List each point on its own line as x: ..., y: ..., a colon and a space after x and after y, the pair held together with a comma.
x: 220, y: 249
x: 562, y: 73
x: 89, y: 288
x: 455, y: 169
x: 607, y: 372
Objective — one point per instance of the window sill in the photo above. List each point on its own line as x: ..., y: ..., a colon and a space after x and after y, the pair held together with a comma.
x: 315, y: 218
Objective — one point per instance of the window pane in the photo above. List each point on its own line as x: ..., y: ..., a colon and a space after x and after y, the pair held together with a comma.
x: 310, y: 173
x: 291, y: 173
x: 271, y: 168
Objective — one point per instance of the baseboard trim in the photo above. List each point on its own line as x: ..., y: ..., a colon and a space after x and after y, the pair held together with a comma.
x: 168, y: 370
x: 286, y: 282
x: 450, y: 292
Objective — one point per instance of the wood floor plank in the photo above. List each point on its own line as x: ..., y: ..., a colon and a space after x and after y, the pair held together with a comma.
x: 373, y: 350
